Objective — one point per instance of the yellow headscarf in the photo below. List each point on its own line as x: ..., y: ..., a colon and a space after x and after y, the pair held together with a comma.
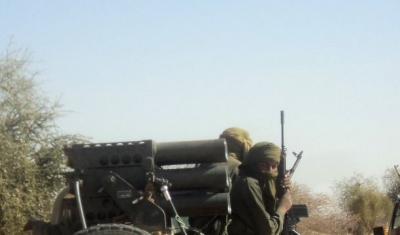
x: 238, y: 141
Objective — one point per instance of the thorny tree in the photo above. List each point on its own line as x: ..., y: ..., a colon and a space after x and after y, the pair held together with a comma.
x: 324, y: 216
x: 30, y: 145
x: 361, y: 197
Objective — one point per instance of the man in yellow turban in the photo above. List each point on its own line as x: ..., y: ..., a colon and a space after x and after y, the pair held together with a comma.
x: 238, y: 144
x: 238, y: 141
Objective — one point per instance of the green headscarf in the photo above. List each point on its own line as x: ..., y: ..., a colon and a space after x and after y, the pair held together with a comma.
x: 238, y: 141
x: 264, y: 151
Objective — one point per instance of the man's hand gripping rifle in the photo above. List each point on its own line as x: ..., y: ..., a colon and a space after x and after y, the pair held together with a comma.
x: 292, y: 216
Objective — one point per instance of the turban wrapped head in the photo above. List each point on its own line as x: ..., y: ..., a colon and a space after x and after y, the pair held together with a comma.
x: 238, y: 141
x: 263, y: 151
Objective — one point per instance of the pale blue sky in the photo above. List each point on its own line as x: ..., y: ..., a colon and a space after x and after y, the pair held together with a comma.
x: 186, y: 70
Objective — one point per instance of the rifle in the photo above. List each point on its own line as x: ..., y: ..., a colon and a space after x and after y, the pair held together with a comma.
x: 292, y: 216
x: 397, y: 169
x: 282, y: 163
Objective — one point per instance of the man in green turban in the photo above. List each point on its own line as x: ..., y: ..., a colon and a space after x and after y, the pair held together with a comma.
x: 255, y: 209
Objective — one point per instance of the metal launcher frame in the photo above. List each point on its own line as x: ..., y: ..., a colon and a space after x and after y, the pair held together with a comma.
x: 109, y: 181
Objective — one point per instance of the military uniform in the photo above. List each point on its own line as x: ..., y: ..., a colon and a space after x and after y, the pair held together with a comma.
x: 249, y: 212
x: 253, y: 201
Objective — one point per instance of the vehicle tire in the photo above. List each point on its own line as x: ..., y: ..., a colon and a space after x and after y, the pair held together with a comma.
x: 112, y: 229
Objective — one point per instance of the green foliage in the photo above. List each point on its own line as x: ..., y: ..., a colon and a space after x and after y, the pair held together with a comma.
x: 30, y: 145
x: 362, y: 198
x: 391, y: 181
